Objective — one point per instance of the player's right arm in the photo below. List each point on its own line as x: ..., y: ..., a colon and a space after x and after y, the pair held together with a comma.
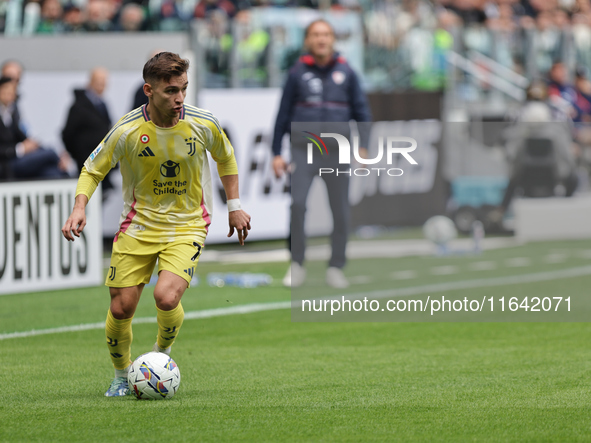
x: 77, y: 220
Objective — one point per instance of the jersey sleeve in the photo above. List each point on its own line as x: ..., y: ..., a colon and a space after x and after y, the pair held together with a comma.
x: 87, y: 183
x: 222, y: 151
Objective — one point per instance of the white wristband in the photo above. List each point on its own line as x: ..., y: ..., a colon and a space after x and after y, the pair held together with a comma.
x: 234, y: 205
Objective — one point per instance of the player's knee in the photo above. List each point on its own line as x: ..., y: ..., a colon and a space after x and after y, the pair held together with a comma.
x: 122, y: 305
x: 167, y: 303
x: 121, y: 310
x: 167, y: 298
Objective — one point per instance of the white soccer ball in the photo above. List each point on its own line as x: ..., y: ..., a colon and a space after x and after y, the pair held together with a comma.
x: 440, y: 229
x: 154, y: 376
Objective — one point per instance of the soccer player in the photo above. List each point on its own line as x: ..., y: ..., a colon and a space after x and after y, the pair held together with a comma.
x: 167, y: 204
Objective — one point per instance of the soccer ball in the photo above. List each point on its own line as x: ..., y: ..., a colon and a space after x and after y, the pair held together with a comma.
x: 154, y: 376
x: 440, y: 229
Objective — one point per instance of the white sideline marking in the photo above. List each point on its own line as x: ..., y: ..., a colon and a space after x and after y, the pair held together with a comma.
x: 555, y: 257
x: 444, y: 270
x: 360, y: 280
x: 483, y: 266
x: 402, y: 292
x: 518, y: 262
x: 192, y: 315
x: 404, y: 275
x: 586, y: 253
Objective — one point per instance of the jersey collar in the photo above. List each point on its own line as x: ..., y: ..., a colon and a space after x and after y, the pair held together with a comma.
x: 145, y: 112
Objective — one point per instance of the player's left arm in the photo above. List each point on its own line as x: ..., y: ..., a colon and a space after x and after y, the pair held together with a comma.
x: 237, y: 217
x: 223, y: 154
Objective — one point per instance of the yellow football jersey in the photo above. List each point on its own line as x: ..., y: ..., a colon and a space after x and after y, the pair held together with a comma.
x: 167, y: 191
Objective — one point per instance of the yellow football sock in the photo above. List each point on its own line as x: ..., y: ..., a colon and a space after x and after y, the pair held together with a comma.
x: 169, y: 323
x: 119, y: 337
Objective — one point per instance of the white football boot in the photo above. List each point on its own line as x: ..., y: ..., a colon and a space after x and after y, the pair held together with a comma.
x: 336, y: 279
x: 118, y: 388
x: 295, y: 277
x: 157, y: 348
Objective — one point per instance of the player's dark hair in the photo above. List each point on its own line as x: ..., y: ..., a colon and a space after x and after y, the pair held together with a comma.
x: 163, y: 66
x: 311, y: 25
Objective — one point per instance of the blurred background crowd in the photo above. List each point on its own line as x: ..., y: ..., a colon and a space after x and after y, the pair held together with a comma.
x: 405, y: 41
x: 386, y: 20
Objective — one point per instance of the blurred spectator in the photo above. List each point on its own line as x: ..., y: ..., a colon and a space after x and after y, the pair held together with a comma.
x: 20, y: 156
x: 388, y: 22
x: 97, y: 16
x: 560, y: 92
x: 534, y: 7
x: 562, y: 20
x: 251, y: 49
x: 427, y: 49
x: 88, y: 120
x: 73, y: 18
x: 583, y: 129
x: 12, y: 69
x: 131, y: 18
x: 206, y: 6
x: 470, y: 11
x: 217, y: 42
x: 583, y: 103
x: 3, y: 17
x: 412, y: 14
x: 548, y: 39
x: 173, y: 16
x: 503, y: 20
x: 51, y: 18
x: 113, y: 9
x: 582, y: 6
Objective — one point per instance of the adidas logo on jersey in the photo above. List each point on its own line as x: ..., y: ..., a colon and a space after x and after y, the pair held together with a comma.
x: 146, y: 153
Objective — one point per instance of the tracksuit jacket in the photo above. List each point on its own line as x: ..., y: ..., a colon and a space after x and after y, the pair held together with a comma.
x: 312, y: 93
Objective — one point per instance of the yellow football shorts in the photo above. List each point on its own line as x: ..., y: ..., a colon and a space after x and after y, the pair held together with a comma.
x: 133, y: 261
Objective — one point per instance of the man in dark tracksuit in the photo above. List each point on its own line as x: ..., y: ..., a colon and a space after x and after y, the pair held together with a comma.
x: 321, y: 87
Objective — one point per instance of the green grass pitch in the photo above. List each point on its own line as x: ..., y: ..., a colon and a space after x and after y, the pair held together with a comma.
x: 261, y: 377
